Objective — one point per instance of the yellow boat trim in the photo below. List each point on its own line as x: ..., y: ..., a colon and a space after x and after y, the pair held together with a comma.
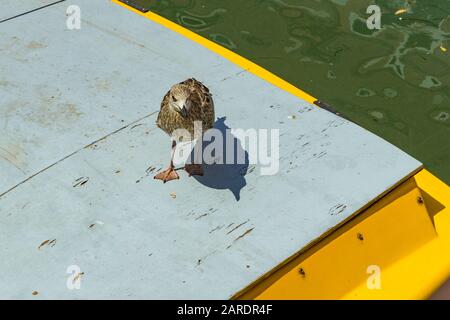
x: 227, y: 54
x: 393, y: 250
x: 404, y: 236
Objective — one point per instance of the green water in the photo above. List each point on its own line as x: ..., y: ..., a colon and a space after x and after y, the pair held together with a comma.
x: 394, y: 82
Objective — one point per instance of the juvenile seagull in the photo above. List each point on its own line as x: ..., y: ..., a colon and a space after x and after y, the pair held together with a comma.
x: 183, y: 104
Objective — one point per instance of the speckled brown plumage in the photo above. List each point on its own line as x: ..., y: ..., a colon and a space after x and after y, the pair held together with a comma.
x: 184, y: 104
x: 202, y: 108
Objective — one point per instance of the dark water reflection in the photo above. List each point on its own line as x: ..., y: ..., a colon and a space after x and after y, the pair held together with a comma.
x: 394, y: 82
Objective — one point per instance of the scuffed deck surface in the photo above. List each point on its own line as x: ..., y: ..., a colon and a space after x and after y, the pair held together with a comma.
x: 62, y: 90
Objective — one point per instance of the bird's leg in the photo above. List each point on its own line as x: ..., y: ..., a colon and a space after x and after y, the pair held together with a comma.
x: 194, y: 169
x: 170, y: 173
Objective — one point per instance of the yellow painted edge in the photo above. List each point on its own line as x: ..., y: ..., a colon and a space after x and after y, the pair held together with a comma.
x: 415, y: 275
x: 227, y: 54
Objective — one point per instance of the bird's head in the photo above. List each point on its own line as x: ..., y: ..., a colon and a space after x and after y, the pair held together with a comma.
x: 179, y: 99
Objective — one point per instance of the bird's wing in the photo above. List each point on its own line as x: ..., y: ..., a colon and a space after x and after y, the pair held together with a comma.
x: 203, y: 98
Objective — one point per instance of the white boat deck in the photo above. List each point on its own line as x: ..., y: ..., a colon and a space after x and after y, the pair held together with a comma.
x: 79, y: 147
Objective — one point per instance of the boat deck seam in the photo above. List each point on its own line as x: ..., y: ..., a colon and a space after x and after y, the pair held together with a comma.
x: 31, y: 11
x: 75, y: 152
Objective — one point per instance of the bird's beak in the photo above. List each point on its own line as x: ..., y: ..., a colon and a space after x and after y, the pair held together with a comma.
x: 184, y: 112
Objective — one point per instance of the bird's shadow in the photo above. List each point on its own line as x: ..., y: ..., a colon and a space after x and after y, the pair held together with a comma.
x: 223, y: 173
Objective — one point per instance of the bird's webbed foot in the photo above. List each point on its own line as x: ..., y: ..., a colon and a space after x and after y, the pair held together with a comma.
x: 167, y: 175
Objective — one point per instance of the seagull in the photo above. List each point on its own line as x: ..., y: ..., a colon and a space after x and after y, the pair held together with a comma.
x: 185, y: 103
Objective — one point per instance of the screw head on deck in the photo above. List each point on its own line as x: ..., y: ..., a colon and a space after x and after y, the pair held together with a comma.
x: 420, y: 200
x: 302, y: 272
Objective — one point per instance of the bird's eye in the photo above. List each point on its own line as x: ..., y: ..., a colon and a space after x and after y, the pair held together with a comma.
x: 173, y: 98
